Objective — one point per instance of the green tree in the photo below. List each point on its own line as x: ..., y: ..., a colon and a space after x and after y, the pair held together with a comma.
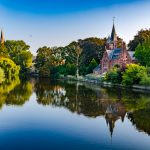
x: 142, y: 53
x: 3, y: 51
x: 133, y: 74
x: 24, y: 59
x: 141, y: 36
x: 11, y: 70
x: 42, y: 57
x: 92, y: 48
x: 47, y: 59
x: 15, y: 47
x: 92, y: 65
x: 73, y: 55
x: 114, y: 75
x: 20, y: 54
x: 145, y: 80
x: 2, y: 75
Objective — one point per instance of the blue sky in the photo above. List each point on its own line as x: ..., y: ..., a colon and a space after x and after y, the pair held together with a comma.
x: 58, y: 22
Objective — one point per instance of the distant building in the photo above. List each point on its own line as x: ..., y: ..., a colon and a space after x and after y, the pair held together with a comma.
x: 114, y: 55
x: 2, y: 38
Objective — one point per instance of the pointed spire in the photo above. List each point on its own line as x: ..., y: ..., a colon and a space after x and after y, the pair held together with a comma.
x: 2, y: 37
x: 110, y: 121
x: 113, y: 33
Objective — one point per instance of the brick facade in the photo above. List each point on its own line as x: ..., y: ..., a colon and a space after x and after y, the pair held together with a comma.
x: 115, y: 56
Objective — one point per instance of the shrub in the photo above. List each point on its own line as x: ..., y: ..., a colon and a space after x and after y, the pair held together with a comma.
x: 11, y: 70
x: 114, y: 76
x: 92, y: 65
x: 133, y: 74
x: 145, y: 80
x: 2, y: 75
x: 70, y: 69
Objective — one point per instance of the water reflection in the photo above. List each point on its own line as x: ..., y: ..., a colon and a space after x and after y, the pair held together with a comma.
x: 86, y: 99
x: 15, y: 92
x: 93, y: 101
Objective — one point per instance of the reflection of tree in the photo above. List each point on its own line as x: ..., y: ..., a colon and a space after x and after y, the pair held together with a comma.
x: 49, y: 93
x: 93, y: 101
x: 6, y: 88
x: 74, y: 97
x: 14, y: 92
x: 20, y: 94
x: 141, y: 119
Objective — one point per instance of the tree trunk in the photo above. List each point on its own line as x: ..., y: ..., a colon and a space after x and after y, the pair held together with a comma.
x: 77, y: 65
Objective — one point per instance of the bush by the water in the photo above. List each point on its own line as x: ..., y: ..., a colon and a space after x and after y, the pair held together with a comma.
x: 145, y: 80
x: 10, y: 69
x: 114, y: 75
x: 133, y: 74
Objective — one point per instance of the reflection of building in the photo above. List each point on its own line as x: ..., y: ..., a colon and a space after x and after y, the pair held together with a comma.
x: 113, y: 112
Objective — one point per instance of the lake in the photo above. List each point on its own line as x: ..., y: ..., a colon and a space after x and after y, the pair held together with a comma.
x: 44, y: 114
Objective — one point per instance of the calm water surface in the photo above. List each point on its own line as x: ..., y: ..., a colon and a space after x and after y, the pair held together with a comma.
x: 43, y: 114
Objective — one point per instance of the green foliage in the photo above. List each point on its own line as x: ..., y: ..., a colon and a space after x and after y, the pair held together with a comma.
x: 142, y: 53
x: 76, y: 58
x: 133, y: 74
x: 3, y: 51
x: 2, y: 75
x: 24, y: 60
x: 92, y: 65
x: 47, y: 59
x: 145, y: 80
x: 74, y: 53
x: 10, y: 68
x: 119, y: 42
x: 15, y: 47
x: 92, y: 48
x: 141, y: 119
x: 13, y: 92
x: 20, y: 94
x: 70, y: 69
x: 139, y: 39
x: 42, y: 56
x: 114, y: 76
x: 20, y: 54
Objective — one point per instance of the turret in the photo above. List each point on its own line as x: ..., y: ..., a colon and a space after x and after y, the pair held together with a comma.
x: 112, y: 40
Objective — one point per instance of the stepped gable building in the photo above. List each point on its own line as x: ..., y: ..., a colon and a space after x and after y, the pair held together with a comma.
x: 114, y: 55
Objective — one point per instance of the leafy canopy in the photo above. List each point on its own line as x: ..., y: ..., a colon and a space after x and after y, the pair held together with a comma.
x: 11, y: 70
x: 141, y: 36
x: 142, y: 53
x: 133, y: 74
x: 20, y: 54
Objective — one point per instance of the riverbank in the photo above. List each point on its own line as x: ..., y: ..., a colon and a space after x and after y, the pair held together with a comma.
x: 97, y: 79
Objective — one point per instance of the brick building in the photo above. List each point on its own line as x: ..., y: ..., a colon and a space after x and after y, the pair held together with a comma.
x: 114, y: 55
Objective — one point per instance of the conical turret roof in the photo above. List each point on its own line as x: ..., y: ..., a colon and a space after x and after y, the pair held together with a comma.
x: 113, y: 33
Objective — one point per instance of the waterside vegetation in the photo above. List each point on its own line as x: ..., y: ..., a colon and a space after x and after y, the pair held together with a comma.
x: 76, y: 60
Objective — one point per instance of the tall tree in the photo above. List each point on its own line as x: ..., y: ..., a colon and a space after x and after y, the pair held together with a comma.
x: 142, y: 53
x: 141, y: 36
x: 20, y: 54
x: 48, y: 58
x: 92, y: 48
x: 74, y: 52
